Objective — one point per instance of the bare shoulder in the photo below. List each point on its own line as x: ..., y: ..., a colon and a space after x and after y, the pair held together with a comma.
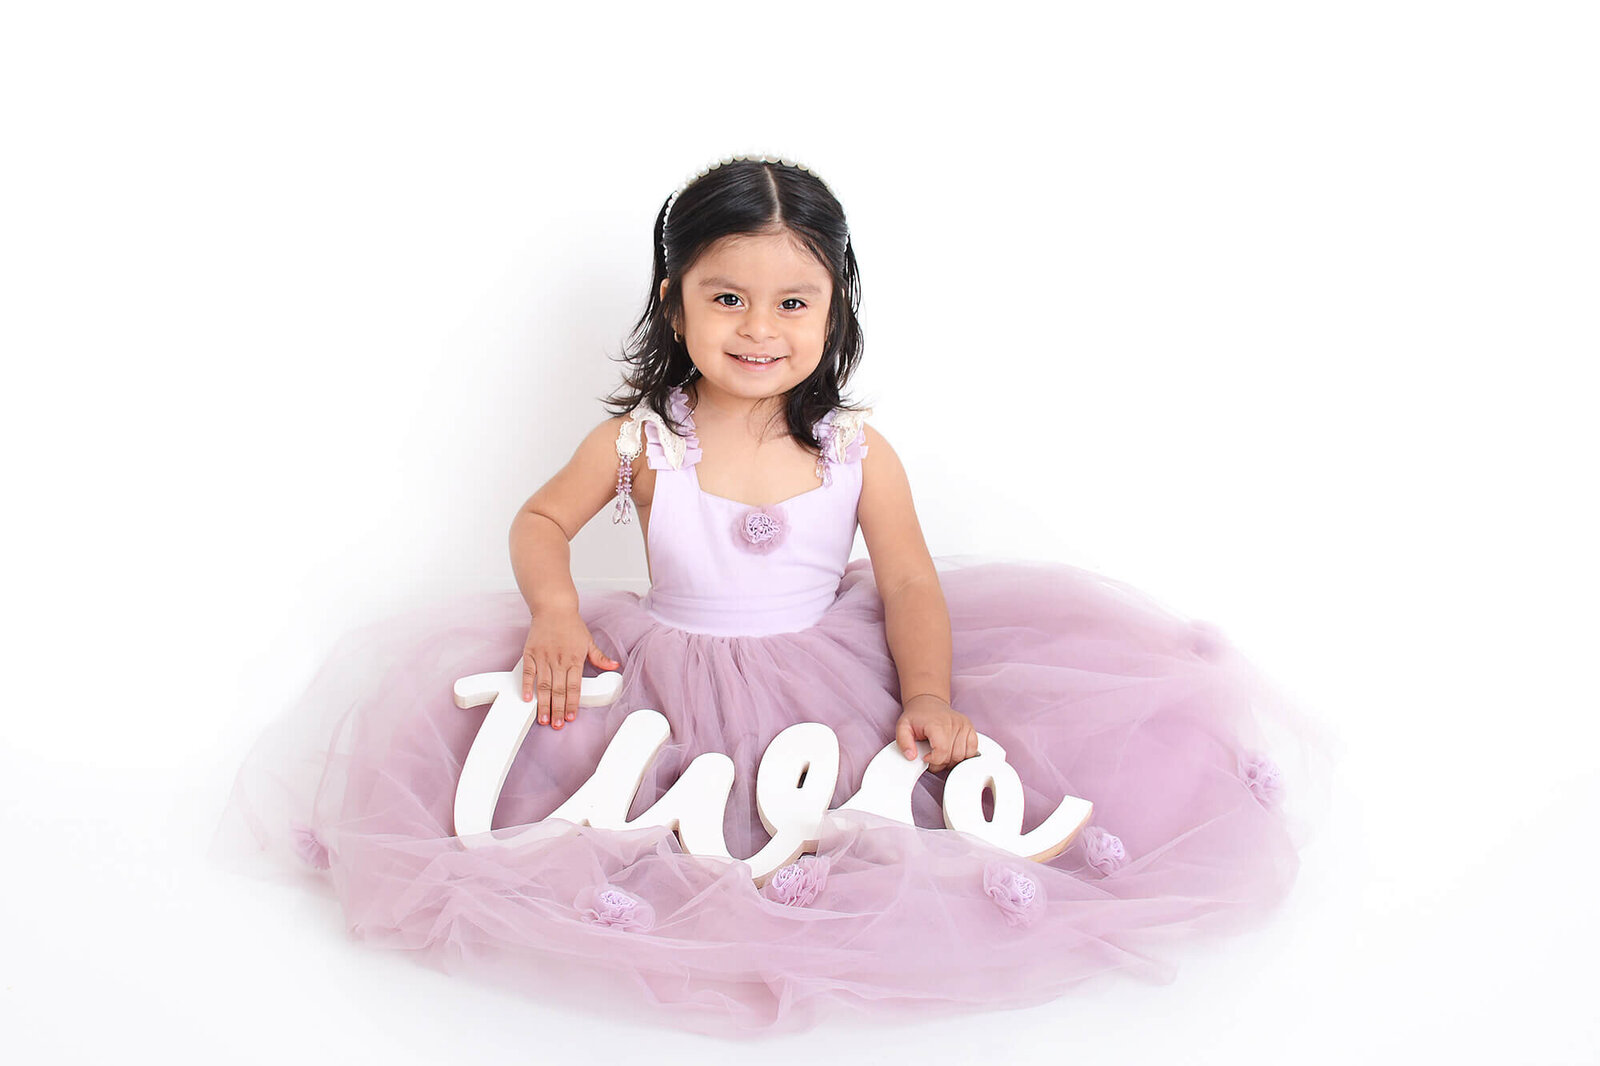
x: 605, y: 441
x: 880, y: 460
x: 885, y: 489
x: 888, y: 516
x: 604, y: 436
x: 584, y: 485
x: 600, y: 453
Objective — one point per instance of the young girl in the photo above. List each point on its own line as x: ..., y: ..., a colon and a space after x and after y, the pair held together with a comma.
x: 748, y: 475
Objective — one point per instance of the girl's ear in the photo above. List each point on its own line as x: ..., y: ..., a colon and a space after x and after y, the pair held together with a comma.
x: 677, y: 325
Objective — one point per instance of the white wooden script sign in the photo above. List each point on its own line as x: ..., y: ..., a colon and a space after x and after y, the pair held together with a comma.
x: 794, y: 784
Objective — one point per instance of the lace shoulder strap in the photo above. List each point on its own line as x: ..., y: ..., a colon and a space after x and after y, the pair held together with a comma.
x: 843, y: 435
x: 672, y: 448
x: 666, y: 449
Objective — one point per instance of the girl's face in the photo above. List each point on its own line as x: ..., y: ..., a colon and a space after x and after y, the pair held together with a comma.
x: 761, y: 296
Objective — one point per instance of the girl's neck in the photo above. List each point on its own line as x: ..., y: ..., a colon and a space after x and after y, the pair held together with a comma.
x: 758, y: 416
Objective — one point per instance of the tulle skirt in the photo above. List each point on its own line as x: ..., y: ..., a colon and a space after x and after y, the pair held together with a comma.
x: 1199, y: 774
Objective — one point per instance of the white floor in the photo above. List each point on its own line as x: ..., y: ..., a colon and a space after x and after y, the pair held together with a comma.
x: 1381, y: 952
x: 1286, y: 313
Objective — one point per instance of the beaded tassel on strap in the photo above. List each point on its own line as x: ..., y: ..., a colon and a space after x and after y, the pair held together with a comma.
x: 630, y: 445
x: 624, y: 509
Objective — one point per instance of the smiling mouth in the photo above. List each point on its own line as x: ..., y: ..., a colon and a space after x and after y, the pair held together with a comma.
x: 756, y: 360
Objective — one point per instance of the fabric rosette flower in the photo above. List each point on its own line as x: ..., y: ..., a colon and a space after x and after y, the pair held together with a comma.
x: 760, y: 529
x: 1263, y: 777
x: 610, y: 906
x: 312, y: 851
x: 1019, y: 897
x: 1103, y: 850
x: 799, y: 883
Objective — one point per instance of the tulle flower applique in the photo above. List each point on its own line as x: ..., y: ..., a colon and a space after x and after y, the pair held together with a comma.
x: 610, y: 906
x: 1016, y: 894
x: 760, y: 529
x: 312, y: 851
x: 1263, y: 777
x: 1103, y: 850
x: 799, y: 883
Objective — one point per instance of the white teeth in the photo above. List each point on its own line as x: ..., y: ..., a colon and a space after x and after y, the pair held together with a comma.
x: 745, y: 359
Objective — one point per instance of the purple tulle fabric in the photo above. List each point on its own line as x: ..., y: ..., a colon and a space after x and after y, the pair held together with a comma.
x: 1092, y: 689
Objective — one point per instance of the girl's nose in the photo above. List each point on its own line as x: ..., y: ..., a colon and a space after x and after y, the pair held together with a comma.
x: 758, y: 325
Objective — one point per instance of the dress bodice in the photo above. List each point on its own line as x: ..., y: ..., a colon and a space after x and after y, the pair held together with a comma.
x: 724, y: 567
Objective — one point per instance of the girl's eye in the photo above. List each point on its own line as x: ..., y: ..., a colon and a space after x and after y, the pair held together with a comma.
x: 730, y: 296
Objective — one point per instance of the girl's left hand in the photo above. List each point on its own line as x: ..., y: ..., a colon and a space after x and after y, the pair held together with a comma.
x: 951, y: 733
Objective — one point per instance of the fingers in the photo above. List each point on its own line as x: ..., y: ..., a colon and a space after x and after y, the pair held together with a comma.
x: 904, y: 738
x: 955, y: 748
x: 965, y: 744
x: 542, y: 687
x: 569, y: 703
x: 558, y: 695
x: 558, y: 648
x: 951, y: 744
x: 538, y: 677
x: 562, y: 692
x: 939, y: 735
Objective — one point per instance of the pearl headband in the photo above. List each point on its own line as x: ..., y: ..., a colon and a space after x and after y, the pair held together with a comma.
x: 691, y: 179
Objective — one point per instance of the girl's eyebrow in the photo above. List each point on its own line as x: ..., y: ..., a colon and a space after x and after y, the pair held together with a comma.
x: 724, y: 283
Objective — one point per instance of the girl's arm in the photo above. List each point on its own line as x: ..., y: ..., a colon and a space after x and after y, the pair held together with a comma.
x: 543, y: 529
x: 915, y: 616
x: 558, y: 641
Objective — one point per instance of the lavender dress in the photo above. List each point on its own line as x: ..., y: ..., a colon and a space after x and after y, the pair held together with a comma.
x: 756, y: 620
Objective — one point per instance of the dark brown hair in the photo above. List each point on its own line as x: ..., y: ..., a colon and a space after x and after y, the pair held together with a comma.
x: 745, y: 197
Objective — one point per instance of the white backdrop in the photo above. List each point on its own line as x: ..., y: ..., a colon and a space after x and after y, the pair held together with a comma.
x: 1282, y: 314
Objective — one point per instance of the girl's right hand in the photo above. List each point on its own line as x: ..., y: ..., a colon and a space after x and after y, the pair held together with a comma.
x: 552, y: 664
